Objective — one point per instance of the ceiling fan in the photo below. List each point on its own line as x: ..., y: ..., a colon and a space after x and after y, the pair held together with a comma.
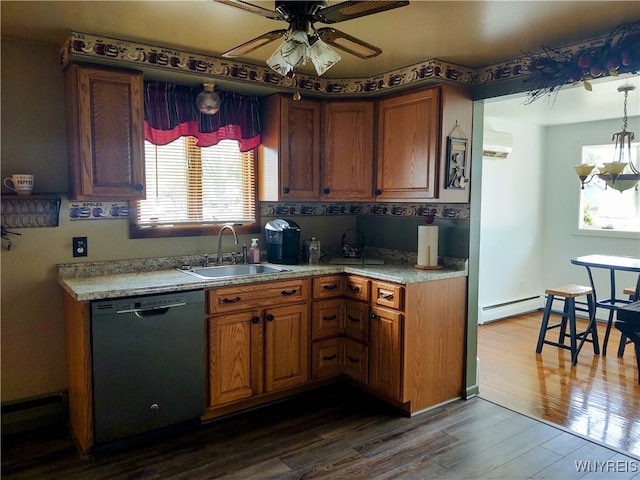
x: 303, y: 42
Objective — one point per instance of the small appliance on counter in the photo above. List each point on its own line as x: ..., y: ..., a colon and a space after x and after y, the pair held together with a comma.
x: 283, y: 240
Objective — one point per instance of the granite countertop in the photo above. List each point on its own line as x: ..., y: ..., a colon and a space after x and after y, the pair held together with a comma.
x: 101, y: 280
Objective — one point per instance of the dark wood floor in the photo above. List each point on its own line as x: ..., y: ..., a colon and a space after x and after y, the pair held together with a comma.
x: 598, y: 398
x: 337, y: 433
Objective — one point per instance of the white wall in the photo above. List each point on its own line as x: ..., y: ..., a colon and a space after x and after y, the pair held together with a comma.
x: 511, y: 223
x: 561, y: 192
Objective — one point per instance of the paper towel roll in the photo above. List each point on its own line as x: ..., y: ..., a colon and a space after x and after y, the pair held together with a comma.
x: 427, y: 245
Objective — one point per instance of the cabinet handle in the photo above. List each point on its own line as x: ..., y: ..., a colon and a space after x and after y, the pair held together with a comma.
x: 372, y: 315
x: 330, y: 357
x: 255, y: 320
x: 289, y: 292
x: 330, y: 287
x: 270, y: 318
x: 139, y: 187
x: 353, y: 319
x: 385, y: 295
x: 231, y: 300
x: 326, y: 191
x: 352, y: 359
x: 378, y: 192
x: 354, y: 288
x: 328, y: 319
x: 286, y: 190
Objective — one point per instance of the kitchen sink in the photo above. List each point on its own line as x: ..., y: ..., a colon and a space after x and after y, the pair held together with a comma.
x: 228, y: 271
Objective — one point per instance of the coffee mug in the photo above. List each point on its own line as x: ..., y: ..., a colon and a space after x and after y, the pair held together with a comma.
x: 22, y: 183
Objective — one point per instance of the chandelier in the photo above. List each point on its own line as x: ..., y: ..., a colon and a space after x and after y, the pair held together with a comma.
x: 620, y: 174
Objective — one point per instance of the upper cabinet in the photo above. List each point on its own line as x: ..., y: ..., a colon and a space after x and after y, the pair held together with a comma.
x: 315, y: 150
x: 413, y: 133
x: 105, y: 131
x: 289, y: 155
x: 347, y: 153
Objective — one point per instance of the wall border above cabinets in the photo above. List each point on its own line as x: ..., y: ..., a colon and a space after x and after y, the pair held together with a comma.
x: 453, y: 211
x: 94, y: 48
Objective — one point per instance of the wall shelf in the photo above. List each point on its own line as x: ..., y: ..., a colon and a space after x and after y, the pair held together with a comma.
x: 30, y: 211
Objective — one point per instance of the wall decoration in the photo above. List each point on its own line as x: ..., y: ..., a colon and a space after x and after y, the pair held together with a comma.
x: 456, y: 177
x: 98, y: 210
x: 452, y: 211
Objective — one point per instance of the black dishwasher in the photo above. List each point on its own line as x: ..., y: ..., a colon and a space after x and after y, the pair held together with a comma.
x: 148, y: 363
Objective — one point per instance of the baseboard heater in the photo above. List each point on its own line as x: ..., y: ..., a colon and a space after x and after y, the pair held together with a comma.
x: 34, y: 413
x: 499, y: 311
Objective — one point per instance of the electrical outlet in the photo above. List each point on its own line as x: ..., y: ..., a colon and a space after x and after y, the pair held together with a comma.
x: 80, y: 246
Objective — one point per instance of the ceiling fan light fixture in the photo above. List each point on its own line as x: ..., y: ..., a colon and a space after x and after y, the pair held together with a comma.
x: 323, y: 57
x: 208, y: 101
x: 291, y: 53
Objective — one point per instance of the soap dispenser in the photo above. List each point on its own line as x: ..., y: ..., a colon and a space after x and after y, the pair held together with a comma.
x: 254, y: 251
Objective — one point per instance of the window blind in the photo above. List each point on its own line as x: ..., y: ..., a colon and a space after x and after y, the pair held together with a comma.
x: 189, y: 185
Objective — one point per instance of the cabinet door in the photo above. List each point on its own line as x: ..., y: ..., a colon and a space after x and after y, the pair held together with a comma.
x: 408, y: 130
x: 235, y: 356
x: 354, y: 361
x: 325, y: 358
x: 326, y: 318
x: 347, y: 157
x: 286, y: 347
x: 105, y: 133
x: 385, y: 330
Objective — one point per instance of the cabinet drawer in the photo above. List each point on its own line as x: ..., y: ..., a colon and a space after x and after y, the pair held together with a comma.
x: 357, y: 288
x: 355, y: 359
x: 329, y: 286
x: 258, y: 295
x: 326, y: 318
x: 325, y: 358
x: 356, y: 320
x: 387, y: 294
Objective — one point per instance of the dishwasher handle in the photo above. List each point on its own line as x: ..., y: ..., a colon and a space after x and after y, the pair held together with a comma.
x: 151, y: 311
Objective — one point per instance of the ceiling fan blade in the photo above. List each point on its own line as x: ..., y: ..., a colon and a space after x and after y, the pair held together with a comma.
x: 348, y: 10
x: 347, y: 43
x: 254, y: 44
x: 248, y: 7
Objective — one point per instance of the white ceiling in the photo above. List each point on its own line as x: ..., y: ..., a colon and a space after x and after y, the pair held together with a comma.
x: 469, y: 33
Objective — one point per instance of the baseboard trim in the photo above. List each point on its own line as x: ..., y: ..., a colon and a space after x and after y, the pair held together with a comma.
x: 492, y: 313
x: 34, y: 413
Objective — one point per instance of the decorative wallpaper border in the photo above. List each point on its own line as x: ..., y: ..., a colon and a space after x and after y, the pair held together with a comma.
x: 85, y: 46
x: 454, y: 211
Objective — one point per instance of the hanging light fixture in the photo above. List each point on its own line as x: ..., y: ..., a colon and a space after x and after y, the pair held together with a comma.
x: 208, y: 101
x: 297, y: 49
x: 613, y: 173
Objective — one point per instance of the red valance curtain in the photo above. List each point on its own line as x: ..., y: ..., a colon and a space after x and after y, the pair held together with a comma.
x: 170, y: 112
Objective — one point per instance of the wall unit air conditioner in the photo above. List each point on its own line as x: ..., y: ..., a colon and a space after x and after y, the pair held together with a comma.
x: 496, y: 144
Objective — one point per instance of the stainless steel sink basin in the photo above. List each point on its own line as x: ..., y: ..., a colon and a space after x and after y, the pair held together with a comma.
x: 228, y: 271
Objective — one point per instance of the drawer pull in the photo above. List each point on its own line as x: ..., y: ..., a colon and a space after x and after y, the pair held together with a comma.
x: 328, y: 319
x: 352, y: 359
x: 270, y: 318
x: 255, y: 320
x: 353, y: 319
x: 354, y: 288
x: 289, y: 292
x: 331, y: 357
x: 231, y: 300
x: 385, y: 295
x: 330, y: 287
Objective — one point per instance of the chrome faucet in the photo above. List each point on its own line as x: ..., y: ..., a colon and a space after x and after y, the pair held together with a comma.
x: 235, y: 239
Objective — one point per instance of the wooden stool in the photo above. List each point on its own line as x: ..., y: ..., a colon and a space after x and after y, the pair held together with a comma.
x: 629, y: 324
x: 568, y: 293
x: 631, y: 291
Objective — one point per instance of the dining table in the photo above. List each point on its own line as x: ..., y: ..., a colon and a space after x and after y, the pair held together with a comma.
x: 612, y: 263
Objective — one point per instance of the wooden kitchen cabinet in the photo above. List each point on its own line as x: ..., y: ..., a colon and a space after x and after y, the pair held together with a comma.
x: 413, y: 129
x: 347, y: 153
x: 385, y: 328
x: 289, y: 154
x: 105, y: 133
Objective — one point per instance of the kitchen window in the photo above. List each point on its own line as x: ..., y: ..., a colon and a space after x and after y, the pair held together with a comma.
x: 603, y: 208
x: 194, y: 191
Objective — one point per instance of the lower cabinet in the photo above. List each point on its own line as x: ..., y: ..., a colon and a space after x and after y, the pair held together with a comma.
x: 385, y: 347
x: 257, y: 350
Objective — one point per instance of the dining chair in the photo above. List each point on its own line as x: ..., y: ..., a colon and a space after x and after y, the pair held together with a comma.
x: 628, y: 323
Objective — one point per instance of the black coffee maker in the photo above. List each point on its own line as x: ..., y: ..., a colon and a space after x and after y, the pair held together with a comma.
x: 283, y: 240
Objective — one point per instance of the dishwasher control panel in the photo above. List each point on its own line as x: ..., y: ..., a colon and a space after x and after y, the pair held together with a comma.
x: 152, y: 302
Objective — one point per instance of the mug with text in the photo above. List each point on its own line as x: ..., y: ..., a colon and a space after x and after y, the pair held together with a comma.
x: 21, y: 183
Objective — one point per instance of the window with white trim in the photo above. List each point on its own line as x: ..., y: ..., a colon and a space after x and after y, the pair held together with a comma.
x: 601, y: 207
x: 190, y: 188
